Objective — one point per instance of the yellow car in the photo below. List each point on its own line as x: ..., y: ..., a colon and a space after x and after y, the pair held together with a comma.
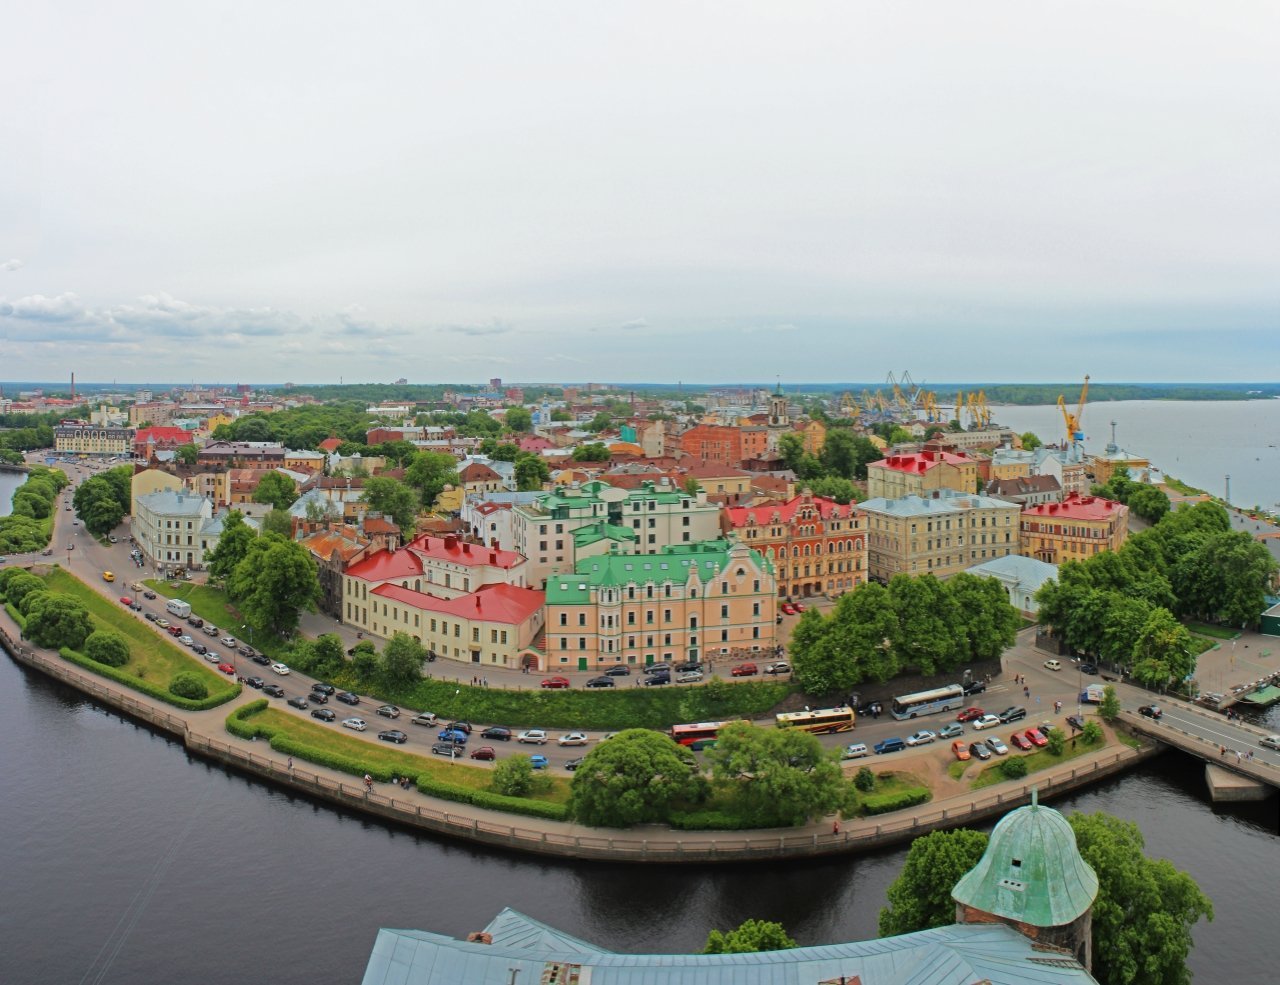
x: 108, y: 576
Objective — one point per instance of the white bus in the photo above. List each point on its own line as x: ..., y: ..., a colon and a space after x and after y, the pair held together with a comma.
x: 948, y: 698
x: 820, y: 722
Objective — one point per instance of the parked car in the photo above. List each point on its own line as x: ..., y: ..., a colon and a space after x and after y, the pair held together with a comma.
x: 447, y: 749
x: 248, y: 651
x: 126, y: 600
x: 996, y: 746
x: 1036, y: 736
x: 572, y: 739
x: 600, y: 682
x: 255, y: 682
x: 213, y: 656
x: 195, y: 621
x: 227, y: 669
x: 199, y: 648
x: 1013, y: 715
x: 347, y: 698
x: 298, y: 701
x: 951, y: 731
x: 281, y: 669
x: 970, y: 715
x: 1090, y: 669
x: 980, y: 750
x: 555, y: 682
x: 484, y: 752
x: 393, y: 735
x: 889, y: 745
x: 854, y: 750
x: 654, y: 680
x: 960, y: 749
x: 319, y: 697
x: 689, y: 677
x: 986, y: 721
x: 461, y: 727
x: 1270, y: 742
x: 148, y: 594
x: 210, y: 629
x: 185, y: 640
x: 427, y: 718
x: 687, y: 666
x: 275, y: 690
x: 744, y: 670
x: 324, y: 714
x: 535, y: 736
x: 1076, y: 722
x: 324, y: 688
x: 1021, y: 741
x: 136, y: 606
x: 388, y: 711
x: 1150, y: 711
x: 261, y: 659
x: 162, y: 622
x: 149, y: 616
x: 230, y: 641
x: 454, y: 736
x: 355, y: 724
x: 780, y: 667
x: 921, y: 738
x: 174, y: 631
x: 661, y: 665
x: 497, y: 732
x: 798, y: 606
x: 538, y: 762
x: 619, y: 670
x: 573, y: 764
x: 788, y: 608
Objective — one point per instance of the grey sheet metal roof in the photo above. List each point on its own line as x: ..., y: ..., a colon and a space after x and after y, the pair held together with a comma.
x: 955, y: 955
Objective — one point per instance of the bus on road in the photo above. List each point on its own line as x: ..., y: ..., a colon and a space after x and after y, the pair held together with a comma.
x: 699, y: 735
x: 949, y: 698
x: 822, y: 721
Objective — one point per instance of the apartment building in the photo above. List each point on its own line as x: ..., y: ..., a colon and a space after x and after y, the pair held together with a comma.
x: 81, y: 438
x: 1077, y: 528
x: 939, y: 534
x: 920, y: 474
x: 167, y: 527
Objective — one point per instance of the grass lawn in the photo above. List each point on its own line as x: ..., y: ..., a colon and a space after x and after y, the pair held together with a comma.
x: 1217, y: 632
x: 212, y: 605
x: 1199, y: 644
x: 333, y: 740
x: 1036, y: 761
x: 888, y: 782
x: 151, y: 657
x: 956, y: 769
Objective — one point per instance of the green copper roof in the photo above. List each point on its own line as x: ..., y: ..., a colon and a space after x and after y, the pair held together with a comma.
x: 601, y: 530
x: 675, y: 564
x: 1031, y: 872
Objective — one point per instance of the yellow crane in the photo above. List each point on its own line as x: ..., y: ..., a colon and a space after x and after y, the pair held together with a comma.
x: 1074, y: 422
x: 849, y: 407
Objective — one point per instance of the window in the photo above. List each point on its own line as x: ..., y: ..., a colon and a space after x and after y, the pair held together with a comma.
x: 582, y: 618
x: 724, y: 612
x: 582, y: 642
x: 666, y: 615
x: 564, y: 619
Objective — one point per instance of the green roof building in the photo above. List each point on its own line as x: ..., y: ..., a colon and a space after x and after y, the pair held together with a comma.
x: 1033, y: 878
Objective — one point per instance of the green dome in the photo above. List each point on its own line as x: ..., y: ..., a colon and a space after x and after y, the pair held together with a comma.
x: 1031, y: 872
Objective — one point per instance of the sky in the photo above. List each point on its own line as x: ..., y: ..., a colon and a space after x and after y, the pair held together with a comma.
x: 601, y: 191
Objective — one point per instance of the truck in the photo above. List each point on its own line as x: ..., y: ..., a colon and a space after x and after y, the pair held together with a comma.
x: 182, y: 609
x: 1093, y: 694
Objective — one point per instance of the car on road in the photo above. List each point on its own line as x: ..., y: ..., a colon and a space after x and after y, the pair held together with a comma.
x: 951, y: 731
x: 247, y: 651
x: 319, y: 697
x: 298, y: 701
x: 255, y: 682
x: 261, y: 659
x: 275, y: 690
x: 461, y: 727
x: 788, y: 608
x: 889, y: 745
x: 458, y: 738
x: 210, y: 629
x: 1270, y: 742
x: 355, y: 724
x: 798, y: 606
x: 689, y: 677
x: 986, y: 721
x: 195, y: 621
x: 324, y: 688
x: 996, y: 746
x: 600, y: 682
x: 1013, y: 714
x: 174, y: 631
x: 979, y: 750
x: 970, y: 715
x: 854, y: 750
x: 199, y: 648
x: 921, y: 738
x: 534, y: 736
x: 136, y: 606
x: 1150, y: 711
x: 744, y: 670
x: 393, y: 735
x: 1053, y: 665
x: 1076, y: 722
x: 688, y: 665
x: 427, y: 718
x: 572, y: 739
x: 660, y: 667
x: 126, y: 600
x: 281, y: 669
x: 148, y: 594
x: 162, y: 622
x: 1037, y: 737
x: 960, y: 749
x: 388, y: 711
x: 484, y: 752
x: 555, y: 682
x: 538, y: 762
x: 1090, y: 669
x: 781, y: 667
x: 227, y: 669
x: 324, y: 714
x: 447, y: 749
x: 619, y: 670
x: 149, y: 616
x: 654, y: 680
x: 974, y: 687
x: 185, y: 640
x: 497, y: 732
x: 230, y: 641
x: 573, y: 764
x: 1021, y: 741
x: 347, y: 698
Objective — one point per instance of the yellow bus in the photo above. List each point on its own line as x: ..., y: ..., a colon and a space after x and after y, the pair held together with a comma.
x: 822, y: 721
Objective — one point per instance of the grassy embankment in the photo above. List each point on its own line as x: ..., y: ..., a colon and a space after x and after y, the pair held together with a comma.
x: 1217, y: 632
x: 1041, y: 759
x: 153, y: 660
x: 212, y: 605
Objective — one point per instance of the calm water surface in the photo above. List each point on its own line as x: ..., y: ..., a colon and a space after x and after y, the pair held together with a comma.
x: 124, y: 860
x: 9, y: 483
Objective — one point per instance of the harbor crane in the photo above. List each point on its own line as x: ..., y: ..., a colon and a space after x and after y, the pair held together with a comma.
x: 1075, y: 422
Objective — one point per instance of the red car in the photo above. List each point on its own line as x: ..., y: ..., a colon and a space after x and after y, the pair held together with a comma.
x: 1020, y: 740
x: 125, y: 600
x: 556, y: 682
x: 788, y: 608
x: 798, y: 606
x: 174, y: 630
x: 226, y: 668
x: 744, y: 670
x: 1036, y: 736
x: 484, y: 752
x: 970, y: 714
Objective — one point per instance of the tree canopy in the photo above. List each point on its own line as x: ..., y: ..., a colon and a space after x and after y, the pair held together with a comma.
x: 60, y: 620
x: 394, y: 499
x: 634, y: 778
x: 429, y: 472
x: 920, y: 897
x: 274, y: 582
x: 277, y: 489
x: 402, y: 660
x: 750, y: 935
x: 776, y: 777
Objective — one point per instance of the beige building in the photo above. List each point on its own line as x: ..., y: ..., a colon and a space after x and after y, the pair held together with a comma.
x: 940, y: 534
x: 79, y: 438
x: 1077, y: 528
x: 920, y: 474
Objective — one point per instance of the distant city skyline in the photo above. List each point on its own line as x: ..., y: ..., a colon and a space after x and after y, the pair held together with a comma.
x: 817, y: 191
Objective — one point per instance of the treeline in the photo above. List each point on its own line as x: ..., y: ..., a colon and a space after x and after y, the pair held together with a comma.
x: 1048, y: 393
x: 917, y: 623
x: 29, y: 526
x: 372, y: 394
x: 24, y: 432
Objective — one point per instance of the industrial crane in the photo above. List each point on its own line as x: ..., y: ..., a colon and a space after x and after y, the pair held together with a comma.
x: 1074, y: 422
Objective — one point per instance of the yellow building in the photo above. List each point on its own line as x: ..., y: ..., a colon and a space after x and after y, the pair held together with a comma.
x: 815, y: 436
x: 79, y: 438
x: 1077, y: 528
x: 941, y: 534
x: 920, y: 474
x: 150, y: 481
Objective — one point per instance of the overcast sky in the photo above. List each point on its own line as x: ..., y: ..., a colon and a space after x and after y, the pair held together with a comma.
x: 544, y: 191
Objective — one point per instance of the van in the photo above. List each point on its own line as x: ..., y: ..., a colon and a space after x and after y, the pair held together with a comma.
x: 889, y: 745
x: 179, y: 608
x: 1053, y: 665
x: 855, y: 750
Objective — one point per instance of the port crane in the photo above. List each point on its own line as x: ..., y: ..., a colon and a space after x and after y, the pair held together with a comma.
x: 1075, y: 422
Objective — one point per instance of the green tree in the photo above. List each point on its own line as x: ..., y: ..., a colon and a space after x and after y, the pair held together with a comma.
x: 601, y: 422
x: 920, y: 898
x: 19, y: 584
x: 843, y: 491
x: 402, y: 660
x: 364, y: 660
x: 781, y: 777
x: 900, y: 436
x: 1149, y: 503
x: 518, y: 420
x: 1014, y: 768
x: 634, y: 778
x: 751, y: 936
x: 105, y: 647
x: 1162, y: 652
x: 692, y: 486
x: 278, y: 522
x: 532, y: 472
x: 1091, y: 733
x: 559, y: 415
x: 926, y: 615
x: 429, y: 473
x: 97, y: 506
x: 840, y: 453
x: 188, y: 685
x: 274, y: 582
x: 1057, y: 744
x: 791, y: 450
x: 60, y: 621
x: 394, y: 499
x: 186, y: 454
x: 1031, y: 441
x: 865, y: 780
x: 1145, y: 909
x: 233, y: 545
x: 986, y: 622
x: 513, y: 776
x: 1110, y: 707
x: 277, y: 489
x: 593, y: 452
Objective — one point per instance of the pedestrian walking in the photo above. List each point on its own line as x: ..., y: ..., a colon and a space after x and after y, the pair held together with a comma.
x: 835, y: 826
x: 290, y: 764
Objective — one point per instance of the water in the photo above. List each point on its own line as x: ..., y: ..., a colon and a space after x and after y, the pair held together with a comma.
x: 9, y: 483
x: 125, y: 860
x: 1199, y: 442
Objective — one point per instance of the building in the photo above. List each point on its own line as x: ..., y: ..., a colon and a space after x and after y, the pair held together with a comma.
x: 150, y: 440
x: 167, y: 527
x: 1012, y: 463
x: 1077, y: 528
x: 1021, y: 578
x: 817, y: 546
x: 80, y: 438
x: 335, y: 547
x: 242, y: 453
x: 920, y: 474
x: 1027, y: 490
x: 974, y: 440
x: 488, y: 518
x: 478, y: 477
x: 688, y: 602
x: 940, y: 534
x: 1113, y: 457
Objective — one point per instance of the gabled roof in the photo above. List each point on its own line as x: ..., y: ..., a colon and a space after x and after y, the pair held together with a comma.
x: 921, y: 462
x: 741, y: 516
x: 478, y: 472
x: 1077, y: 507
x: 450, y: 548
x: 1024, y: 485
x: 325, y: 543
x: 491, y: 603
x: 385, y: 565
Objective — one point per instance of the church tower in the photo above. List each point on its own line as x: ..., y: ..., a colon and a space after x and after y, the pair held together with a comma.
x: 1033, y: 878
x: 778, y: 409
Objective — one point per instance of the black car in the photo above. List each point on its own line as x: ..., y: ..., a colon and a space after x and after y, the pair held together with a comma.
x: 497, y: 732
x: 460, y: 727
x: 688, y: 667
x: 573, y: 764
x: 393, y: 735
x: 1012, y: 715
x: 656, y: 679
x: 324, y: 714
x: 326, y: 689
x: 319, y: 697
x: 136, y: 606
x: 255, y: 682
x: 347, y: 698
x: 149, y: 616
x: 600, y: 682
x: 389, y: 711
x: 979, y: 750
x: 619, y: 670
x: 275, y: 690
x: 1076, y: 722
x: 298, y: 701
x: 262, y: 659
x: 974, y: 687
x: 200, y: 648
x: 195, y: 621
x: 148, y: 594
x: 1150, y: 711
x: 1090, y: 669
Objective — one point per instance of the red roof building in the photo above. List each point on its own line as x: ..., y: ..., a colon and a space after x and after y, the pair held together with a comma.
x: 147, y: 441
x: 1077, y: 528
x: 917, y: 475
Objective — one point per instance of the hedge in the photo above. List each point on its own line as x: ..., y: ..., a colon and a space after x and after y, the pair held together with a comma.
x: 708, y: 821
x: 16, y: 616
x: 494, y: 801
x: 147, y: 687
x: 885, y: 802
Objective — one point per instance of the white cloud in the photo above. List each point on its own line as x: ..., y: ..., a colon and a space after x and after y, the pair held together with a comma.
x: 13, y: 264
x: 634, y: 324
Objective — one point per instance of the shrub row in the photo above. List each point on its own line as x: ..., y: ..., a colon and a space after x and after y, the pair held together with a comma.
x: 709, y: 821
x: 16, y: 616
x: 494, y: 801
x: 147, y: 687
x: 883, y: 803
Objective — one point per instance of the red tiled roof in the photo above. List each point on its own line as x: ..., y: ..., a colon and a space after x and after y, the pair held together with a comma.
x: 740, y: 516
x: 163, y: 434
x: 492, y: 603
x: 1077, y: 507
x: 385, y: 565
x: 325, y: 543
x: 478, y: 472
x: 330, y: 444
x: 460, y: 552
x: 921, y: 462
x: 379, y: 525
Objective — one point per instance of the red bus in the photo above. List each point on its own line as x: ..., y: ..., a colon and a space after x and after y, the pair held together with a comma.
x: 700, y: 735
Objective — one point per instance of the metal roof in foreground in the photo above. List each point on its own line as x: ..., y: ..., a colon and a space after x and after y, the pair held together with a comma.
x: 527, y: 952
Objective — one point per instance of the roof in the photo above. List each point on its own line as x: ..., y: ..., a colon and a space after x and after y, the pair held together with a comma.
x: 490, y: 603
x: 601, y: 530
x: 1026, y: 573
x: 938, y: 501
x: 741, y: 516
x: 478, y: 472
x: 921, y: 462
x: 1031, y: 872
x: 325, y: 543
x: 1024, y: 485
x: 676, y: 563
x: 525, y: 950
x: 1077, y: 507
x: 385, y: 565
x: 450, y: 548
x: 179, y: 502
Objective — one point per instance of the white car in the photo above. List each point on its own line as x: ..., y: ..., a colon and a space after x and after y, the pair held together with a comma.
x: 281, y: 669
x: 185, y: 640
x: 356, y: 724
x: 229, y: 641
x: 536, y: 736
x: 987, y: 721
x: 572, y: 739
x: 921, y: 738
x: 1270, y: 742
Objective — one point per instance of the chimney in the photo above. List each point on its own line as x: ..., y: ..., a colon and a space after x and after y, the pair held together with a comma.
x: 493, y: 557
x: 466, y: 548
x: 450, y: 542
